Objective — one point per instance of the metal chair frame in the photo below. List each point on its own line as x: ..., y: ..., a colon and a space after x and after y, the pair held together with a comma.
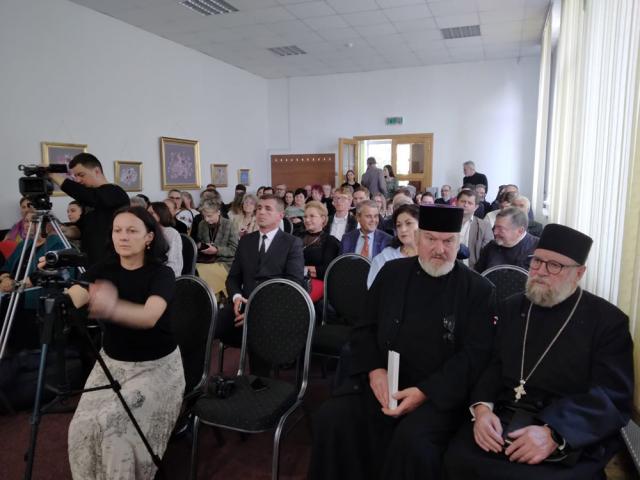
x: 191, y: 268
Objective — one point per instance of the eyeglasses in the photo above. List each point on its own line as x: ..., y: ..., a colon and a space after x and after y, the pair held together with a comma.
x: 553, y: 267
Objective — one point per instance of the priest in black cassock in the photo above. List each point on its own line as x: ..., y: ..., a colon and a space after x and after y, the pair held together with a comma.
x: 433, y: 311
x: 559, y: 388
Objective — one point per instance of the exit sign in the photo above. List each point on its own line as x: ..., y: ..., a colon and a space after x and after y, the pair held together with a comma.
x: 393, y: 121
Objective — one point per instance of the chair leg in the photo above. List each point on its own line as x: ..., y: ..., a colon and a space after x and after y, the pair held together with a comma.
x: 221, y: 348
x: 275, y: 462
x: 193, y: 467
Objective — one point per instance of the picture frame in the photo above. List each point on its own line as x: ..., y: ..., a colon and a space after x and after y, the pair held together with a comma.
x: 219, y: 175
x: 128, y: 175
x: 60, y: 153
x: 244, y: 176
x: 180, y: 163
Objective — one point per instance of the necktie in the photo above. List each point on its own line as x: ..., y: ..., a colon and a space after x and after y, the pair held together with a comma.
x: 263, y: 247
x: 365, y: 248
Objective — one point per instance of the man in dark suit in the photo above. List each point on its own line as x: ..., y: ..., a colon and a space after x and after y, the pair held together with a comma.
x: 373, y: 178
x: 341, y: 221
x: 262, y: 255
x: 367, y: 241
x: 475, y: 232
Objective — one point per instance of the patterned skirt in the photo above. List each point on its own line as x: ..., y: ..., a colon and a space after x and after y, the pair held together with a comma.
x: 103, y: 443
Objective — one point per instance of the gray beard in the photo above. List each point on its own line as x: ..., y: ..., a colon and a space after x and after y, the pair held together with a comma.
x: 436, y: 271
x: 544, y: 296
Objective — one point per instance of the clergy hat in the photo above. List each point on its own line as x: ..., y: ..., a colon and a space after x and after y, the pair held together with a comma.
x: 566, y: 241
x: 440, y: 218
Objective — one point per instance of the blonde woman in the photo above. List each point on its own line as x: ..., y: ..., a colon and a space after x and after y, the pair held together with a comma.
x: 246, y: 222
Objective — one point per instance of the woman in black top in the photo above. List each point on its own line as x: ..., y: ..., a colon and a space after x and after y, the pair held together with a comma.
x: 320, y: 248
x: 350, y: 180
x: 131, y: 291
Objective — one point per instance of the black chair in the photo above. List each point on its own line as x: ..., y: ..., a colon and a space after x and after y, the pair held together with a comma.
x: 345, y: 287
x: 508, y: 280
x: 193, y: 319
x: 189, y: 255
x: 278, y: 328
x: 631, y: 436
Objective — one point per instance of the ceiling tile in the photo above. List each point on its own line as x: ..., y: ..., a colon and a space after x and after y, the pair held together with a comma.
x: 244, y: 5
x: 432, y: 58
x: 311, y: 9
x: 376, y: 30
x: 461, y: 20
x: 410, y: 12
x: 291, y: 2
x: 347, y: 33
x: 452, y: 7
x: 398, y: 3
x: 308, y: 36
x: 469, y: 42
x: 530, y: 51
x: 467, y: 54
x: 270, y: 15
x: 343, y: 6
x: 497, y: 16
x: 331, y: 21
x: 501, y: 32
x: 294, y: 26
x: 536, y: 8
x: 365, y: 18
x: 487, y: 5
x: 413, y: 25
x: 382, y: 40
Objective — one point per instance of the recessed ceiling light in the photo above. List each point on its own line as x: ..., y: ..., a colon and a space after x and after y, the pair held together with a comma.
x: 461, y: 32
x: 288, y: 50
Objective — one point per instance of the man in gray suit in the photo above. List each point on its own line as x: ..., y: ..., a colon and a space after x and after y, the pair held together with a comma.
x: 373, y: 178
x: 475, y: 232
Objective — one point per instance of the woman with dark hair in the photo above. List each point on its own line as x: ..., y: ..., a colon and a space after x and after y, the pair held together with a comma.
x: 391, y: 181
x: 350, y: 180
x: 74, y: 211
x: 319, y: 247
x: 131, y: 292
x: 288, y: 198
x: 405, y: 219
x: 295, y: 212
x: 18, y: 231
x: 187, y: 211
x: 161, y: 213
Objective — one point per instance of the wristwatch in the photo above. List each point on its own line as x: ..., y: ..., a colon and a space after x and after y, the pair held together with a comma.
x: 556, y: 437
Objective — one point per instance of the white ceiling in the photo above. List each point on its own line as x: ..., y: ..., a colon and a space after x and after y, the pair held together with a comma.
x: 340, y: 36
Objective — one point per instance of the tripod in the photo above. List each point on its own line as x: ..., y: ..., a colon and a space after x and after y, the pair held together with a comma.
x: 54, y: 312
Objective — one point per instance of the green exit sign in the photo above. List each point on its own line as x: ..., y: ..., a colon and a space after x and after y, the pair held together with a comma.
x: 393, y: 121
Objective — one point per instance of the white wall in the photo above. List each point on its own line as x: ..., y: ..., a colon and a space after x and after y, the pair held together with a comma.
x: 70, y: 74
x: 485, y: 112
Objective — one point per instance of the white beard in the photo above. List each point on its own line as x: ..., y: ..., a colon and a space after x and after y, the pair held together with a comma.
x: 437, y: 271
x: 544, y: 296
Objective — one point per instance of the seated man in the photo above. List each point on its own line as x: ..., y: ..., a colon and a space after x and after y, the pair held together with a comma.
x: 367, y: 241
x: 341, y: 221
x: 523, y: 203
x: 435, y: 313
x: 560, y: 384
x: 476, y: 232
x: 512, y: 245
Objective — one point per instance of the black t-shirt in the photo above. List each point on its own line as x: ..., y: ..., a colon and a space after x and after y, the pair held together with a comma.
x: 95, y: 225
x: 136, y: 286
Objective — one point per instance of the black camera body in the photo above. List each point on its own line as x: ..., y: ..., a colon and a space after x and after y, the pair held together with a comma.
x: 36, y: 186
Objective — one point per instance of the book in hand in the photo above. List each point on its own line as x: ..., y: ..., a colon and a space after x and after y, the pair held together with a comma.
x: 393, y: 369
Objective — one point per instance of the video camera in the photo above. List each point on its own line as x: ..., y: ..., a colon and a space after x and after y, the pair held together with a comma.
x: 36, y: 186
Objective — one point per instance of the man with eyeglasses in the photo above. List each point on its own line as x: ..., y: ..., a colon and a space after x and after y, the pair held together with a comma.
x: 512, y: 244
x: 342, y: 221
x: 560, y: 384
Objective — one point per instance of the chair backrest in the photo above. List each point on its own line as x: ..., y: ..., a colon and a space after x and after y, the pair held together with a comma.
x: 279, y: 321
x: 345, y: 287
x: 508, y: 280
x: 193, y: 318
x: 189, y: 255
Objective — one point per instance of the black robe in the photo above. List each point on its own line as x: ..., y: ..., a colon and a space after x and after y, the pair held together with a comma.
x: 443, y: 329
x: 582, y: 389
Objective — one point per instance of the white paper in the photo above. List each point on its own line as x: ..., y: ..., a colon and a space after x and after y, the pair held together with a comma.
x: 393, y: 369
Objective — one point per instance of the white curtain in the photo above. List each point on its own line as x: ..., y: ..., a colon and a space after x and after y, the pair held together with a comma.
x: 592, y: 129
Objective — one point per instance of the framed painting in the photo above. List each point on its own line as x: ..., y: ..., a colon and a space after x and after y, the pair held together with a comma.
x: 219, y: 175
x: 128, y: 175
x: 60, y: 153
x: 180, y: 163
x: 244, y: 176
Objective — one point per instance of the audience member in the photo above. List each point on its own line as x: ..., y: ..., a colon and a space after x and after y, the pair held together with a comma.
x: 505, y: 201
x: 132, y: 292
x: 74, y: 211
x: 381, y: 201
x: 523, y: 203
x: 280, y: 190
x: 405, y: 219
x: 91, y: 189
x: 267, y: 191
x: 475, y: 232
x: 205, y: 196
x: 319, y: 247
x: 145, y: 199
x: 342, y: 221
x: 176, y: 197
x: 471, y: 177
x: 327, y: 198
x: 512, y: 244
x: 390, y: 180
x: 235, y: 207
x: 17, y: 232
x: 502, y: 189
x: 217, y: 243
x: 401, y: 197
x: 181, y: 227
x: 427, y: 199
x: 187, y: 210
x: 295, y: 213
x: 435, y: 313
x: 260, y: 192
x: 288, y: 199
x: 136, y: 201
x: 350, y: 180
x: 445, y: 195
x: 161, y: 214
x: 360, y: 195
x: 554, y: 410
x: 246, y: 221
x: 367, y: 241
x: 307, y: 189
x: 483, y: 205
x: 373, y: 178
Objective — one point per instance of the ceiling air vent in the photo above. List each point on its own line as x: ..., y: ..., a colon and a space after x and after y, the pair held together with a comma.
x: 461, y: 32
x: 286, y: 51
x: 209, y: 7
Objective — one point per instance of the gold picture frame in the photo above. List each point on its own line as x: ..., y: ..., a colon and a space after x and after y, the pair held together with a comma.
x: 128, y: 175
x: 180, y: 163
x: 60, y: 153
x: 244, y: 176
x: 219, y: 174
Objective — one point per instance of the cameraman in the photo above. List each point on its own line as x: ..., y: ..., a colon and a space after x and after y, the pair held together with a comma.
x: 91, y: 189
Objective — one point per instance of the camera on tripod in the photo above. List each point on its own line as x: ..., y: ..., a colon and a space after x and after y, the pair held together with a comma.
x: 36, y: 186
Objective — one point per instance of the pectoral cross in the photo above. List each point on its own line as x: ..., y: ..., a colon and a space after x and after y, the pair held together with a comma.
x: 520, y: 391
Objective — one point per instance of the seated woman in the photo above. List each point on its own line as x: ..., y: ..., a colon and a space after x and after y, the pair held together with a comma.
x: 217, y: 242
x: 131, y: 291
x: 161, y: 214
x: 74, y: 212
x: 405, y: 219
x: 319, y: 247
x: 246, y: 221
x: 18, y: 231
x: 295, y: 213
x: 350, y: 180
x: 187, y: 211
